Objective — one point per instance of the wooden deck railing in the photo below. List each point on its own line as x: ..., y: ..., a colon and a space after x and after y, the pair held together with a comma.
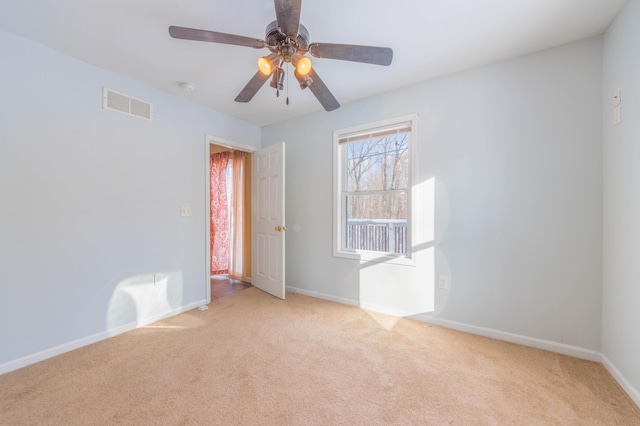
x: 388, y: 236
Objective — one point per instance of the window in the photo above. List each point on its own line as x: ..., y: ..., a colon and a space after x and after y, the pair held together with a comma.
x: 372, y: 187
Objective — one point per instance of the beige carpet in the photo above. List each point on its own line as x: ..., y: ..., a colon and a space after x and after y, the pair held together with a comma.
x: 252, y: 359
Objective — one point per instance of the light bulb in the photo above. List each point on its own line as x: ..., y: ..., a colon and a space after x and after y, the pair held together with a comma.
x: 266, y: 64
x: 302, y: 64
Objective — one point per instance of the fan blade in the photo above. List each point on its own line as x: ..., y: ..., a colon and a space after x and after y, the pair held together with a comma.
x: 214, y: 37
x: 322, y: 92
x: 350, y: 52
x: 252, y: 87
x: 288, y: 16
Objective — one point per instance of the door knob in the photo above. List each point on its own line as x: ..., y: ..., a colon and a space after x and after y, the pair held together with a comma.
x: 281, y: 228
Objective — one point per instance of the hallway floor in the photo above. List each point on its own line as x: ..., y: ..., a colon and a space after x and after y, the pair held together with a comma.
x: 222, y: 285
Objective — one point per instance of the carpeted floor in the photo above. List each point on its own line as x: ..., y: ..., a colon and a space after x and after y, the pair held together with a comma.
x: 252, y: 359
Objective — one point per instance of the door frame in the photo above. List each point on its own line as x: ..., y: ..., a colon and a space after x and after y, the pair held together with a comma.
x: 209, y: 140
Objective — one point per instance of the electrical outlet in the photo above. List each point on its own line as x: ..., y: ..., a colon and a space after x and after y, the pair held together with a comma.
x: 185, y: 211
x: 443, y: 282
x: 157, y: 278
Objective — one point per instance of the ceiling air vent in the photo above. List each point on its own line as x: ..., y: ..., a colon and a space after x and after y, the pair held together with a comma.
x: 126, y: 104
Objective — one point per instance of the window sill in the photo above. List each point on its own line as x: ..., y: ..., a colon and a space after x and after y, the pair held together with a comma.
x: 377, y: 257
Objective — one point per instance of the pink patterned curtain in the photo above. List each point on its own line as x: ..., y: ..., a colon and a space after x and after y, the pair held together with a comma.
x: 236, y: 265
x: 219, y: 214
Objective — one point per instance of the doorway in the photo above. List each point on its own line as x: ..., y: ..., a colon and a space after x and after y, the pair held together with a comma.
x: 228, y: 217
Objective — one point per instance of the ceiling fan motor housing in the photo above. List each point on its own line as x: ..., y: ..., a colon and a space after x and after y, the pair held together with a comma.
x: 278, y: 41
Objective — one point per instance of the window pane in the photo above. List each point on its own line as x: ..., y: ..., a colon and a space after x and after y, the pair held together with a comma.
x: 377, y: 223
x: 378, y: 164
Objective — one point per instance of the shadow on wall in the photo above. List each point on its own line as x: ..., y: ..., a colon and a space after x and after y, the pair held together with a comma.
x: 141, y: 299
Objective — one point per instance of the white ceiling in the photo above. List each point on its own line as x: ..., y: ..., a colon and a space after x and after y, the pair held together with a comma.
x: 429, y: 38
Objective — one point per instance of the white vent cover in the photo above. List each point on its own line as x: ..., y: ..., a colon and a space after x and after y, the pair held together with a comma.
x: 126, y: 104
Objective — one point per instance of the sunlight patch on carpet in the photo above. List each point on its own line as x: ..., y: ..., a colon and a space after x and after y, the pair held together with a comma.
x: 386, y: 321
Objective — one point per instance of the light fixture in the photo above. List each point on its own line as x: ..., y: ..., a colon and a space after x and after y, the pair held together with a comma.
x: 302, y: 63
x: 277, y: 80
x: 266, y: 64
x: 304, y: 80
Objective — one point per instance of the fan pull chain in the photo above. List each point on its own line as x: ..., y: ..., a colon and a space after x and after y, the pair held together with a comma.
x: 288, y: 71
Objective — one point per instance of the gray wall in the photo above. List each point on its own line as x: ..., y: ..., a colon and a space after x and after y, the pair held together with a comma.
x: 90, y: 201
x: 514, y: 152
x: 621, y: 295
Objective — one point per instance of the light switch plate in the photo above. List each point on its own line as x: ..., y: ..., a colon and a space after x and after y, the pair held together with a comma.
x: 185, y: 211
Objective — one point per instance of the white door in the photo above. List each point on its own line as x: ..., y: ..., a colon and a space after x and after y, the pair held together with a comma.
x: 268, y: 220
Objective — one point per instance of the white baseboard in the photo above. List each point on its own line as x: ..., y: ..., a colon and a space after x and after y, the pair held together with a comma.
x: 633, y: 393
x: 533, y: 342
x: 85, y: 341
x: 341, y: 300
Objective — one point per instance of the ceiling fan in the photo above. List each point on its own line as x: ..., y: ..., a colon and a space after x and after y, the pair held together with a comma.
x: 288, y: 41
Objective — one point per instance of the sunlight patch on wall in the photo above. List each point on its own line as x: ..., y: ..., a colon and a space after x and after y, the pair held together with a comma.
x: 142, y: 299
x: 404, y: 290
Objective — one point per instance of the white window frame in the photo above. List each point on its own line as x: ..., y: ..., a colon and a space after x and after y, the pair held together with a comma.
x: 339, y: 218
